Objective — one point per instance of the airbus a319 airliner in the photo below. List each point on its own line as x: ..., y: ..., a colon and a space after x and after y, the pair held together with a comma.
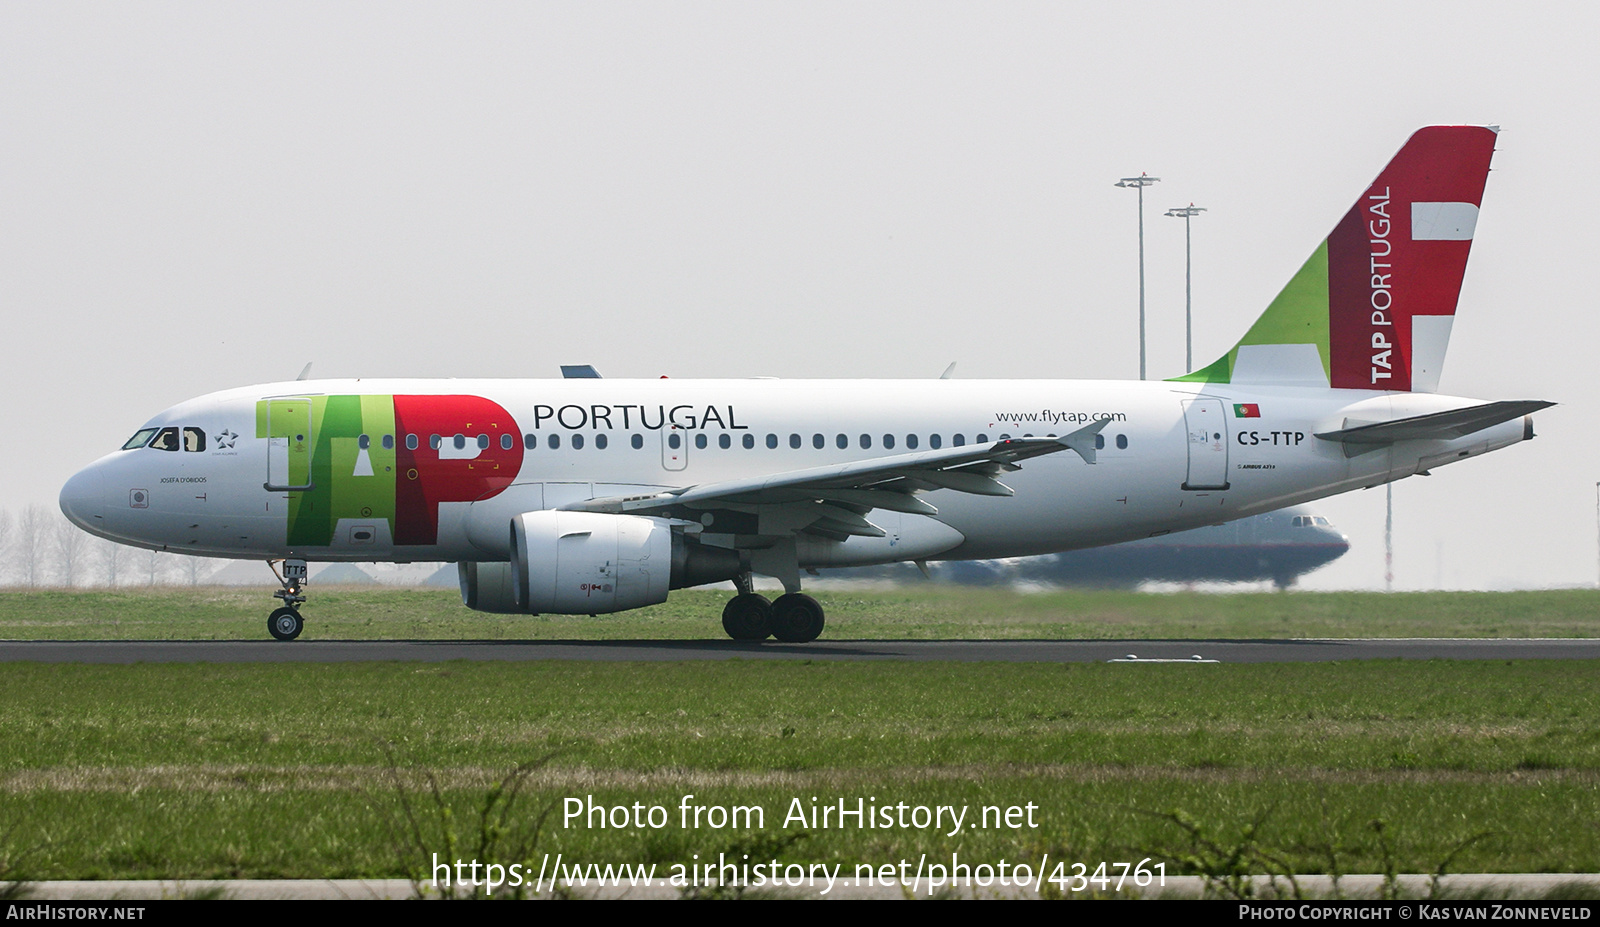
x: 587, y: 495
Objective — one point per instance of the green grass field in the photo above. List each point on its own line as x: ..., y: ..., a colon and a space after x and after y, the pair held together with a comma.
x: 922, y: 612
x: 177, y: 771
x: 264, y: 771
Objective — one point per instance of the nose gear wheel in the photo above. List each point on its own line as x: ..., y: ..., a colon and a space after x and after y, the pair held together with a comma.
x: 285, y: 624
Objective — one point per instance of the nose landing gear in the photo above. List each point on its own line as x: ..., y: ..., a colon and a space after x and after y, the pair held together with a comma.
x: 285, y: 624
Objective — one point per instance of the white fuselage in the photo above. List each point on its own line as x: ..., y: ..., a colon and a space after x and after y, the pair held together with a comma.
x: 1173, y: 456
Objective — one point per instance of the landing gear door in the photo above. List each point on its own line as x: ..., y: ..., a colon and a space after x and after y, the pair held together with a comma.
x: 1207, y: 435
x: 289, y: 443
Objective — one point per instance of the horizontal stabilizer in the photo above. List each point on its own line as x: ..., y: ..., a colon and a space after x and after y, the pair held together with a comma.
x: 1455, y: 423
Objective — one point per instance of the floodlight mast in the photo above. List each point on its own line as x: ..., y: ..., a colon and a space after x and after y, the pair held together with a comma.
x: 1388, y: 537
x: 1186, y: 213
x: 1139, y: 183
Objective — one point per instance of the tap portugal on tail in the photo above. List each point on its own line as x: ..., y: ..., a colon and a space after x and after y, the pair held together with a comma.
x: 588, y: 495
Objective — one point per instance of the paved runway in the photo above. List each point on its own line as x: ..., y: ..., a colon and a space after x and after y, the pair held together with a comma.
x: 1028, y: 651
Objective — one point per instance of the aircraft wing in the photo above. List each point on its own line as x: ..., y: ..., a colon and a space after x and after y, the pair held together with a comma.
x: 1455, y: 423
x: 842, y: 494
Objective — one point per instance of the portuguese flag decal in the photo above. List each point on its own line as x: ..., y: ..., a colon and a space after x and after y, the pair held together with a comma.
x: 1246, y: 410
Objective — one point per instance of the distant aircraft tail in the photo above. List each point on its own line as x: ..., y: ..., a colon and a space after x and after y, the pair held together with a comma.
x: 1373, y: 306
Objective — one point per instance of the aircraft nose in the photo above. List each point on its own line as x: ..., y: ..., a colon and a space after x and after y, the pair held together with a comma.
x: 83, y: 499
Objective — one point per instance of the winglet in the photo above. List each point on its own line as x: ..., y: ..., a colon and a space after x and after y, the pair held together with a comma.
x: 1083, y: 440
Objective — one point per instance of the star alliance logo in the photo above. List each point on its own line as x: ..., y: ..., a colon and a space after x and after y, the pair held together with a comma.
x: 225, y: 438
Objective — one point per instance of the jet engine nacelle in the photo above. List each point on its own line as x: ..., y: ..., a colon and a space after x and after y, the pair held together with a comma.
x: 487, y: 587
x: 583, y: 563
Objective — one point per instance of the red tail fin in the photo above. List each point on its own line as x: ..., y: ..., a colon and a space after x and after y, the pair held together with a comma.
x: 1374, y: 304
x: 1396, y: 260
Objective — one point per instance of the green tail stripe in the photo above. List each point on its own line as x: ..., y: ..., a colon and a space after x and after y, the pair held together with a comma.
x: 1298, y: 316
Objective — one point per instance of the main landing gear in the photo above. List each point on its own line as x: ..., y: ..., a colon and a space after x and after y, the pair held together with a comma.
x: 285, y: 623
x: 794, y: 618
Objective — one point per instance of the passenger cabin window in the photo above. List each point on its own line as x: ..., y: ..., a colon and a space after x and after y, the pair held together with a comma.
x: 794, y: 442
x: 1122, y: 442
x: 505, y: 442
x: 959, y: 440
x: 600, y: 442
x: 530, y: 442
x: 577, y: 442
x: 554, y: 441
x: 194, y: 439
x: 772, y: 442
x: 888, y: 442
x: 166, y: 440
x: 388, y: 442
x: 1099, y: 442
x: 724, y: 441
x: 700, y: 441
x: 817, y: 441
x: 435, y: 442
x: 411, y: 442
x: 637, y: 441
x: 749, y: 441
x: 911, y: 442
x: 934, y: 441
x: 843, y: 441
x: 363, y: 442
x: 483, y: 442
x: 140, y: 438
x: 866, y: 442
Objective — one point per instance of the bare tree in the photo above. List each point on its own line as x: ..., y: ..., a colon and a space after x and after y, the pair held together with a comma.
x: 32, y: 531
x: 71, y: 543
x: 193, y: 568
x: 157, y: 565
x: 6, y: 530
x: 114, y: 560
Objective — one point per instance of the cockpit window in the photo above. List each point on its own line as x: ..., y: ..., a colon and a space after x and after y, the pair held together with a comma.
x: 166, y: 440
x: 194, y: 439
x: 140, y: 439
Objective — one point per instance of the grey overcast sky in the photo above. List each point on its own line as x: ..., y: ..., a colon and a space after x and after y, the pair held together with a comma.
x: 202, y: 195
